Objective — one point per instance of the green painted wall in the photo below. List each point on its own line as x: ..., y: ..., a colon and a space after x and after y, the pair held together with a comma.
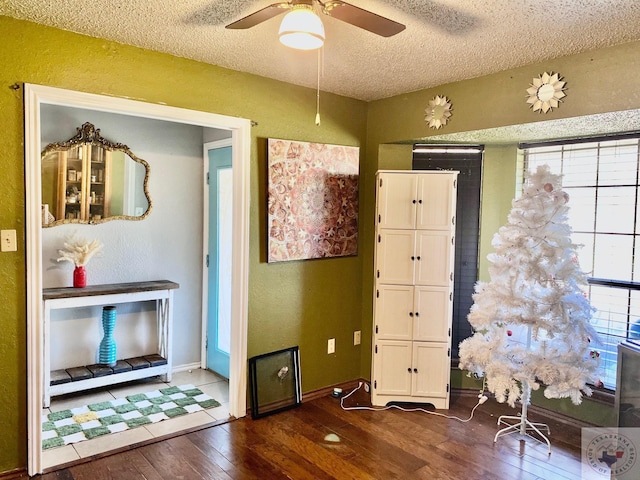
x: 291, y: 303
x: 302, y: 303
x: 499, y: 188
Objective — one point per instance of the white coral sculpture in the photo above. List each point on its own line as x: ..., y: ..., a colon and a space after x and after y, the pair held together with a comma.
x: 79, y: 251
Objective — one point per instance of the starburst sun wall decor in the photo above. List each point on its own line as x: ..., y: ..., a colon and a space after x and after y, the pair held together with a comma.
x: 546, y: 92
x: 438, y: 112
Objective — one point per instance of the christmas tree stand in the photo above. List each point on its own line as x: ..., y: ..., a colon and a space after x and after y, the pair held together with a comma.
x: 523, y: 426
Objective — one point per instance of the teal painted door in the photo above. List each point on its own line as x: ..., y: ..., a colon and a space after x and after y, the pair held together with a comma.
x: 220, y: 248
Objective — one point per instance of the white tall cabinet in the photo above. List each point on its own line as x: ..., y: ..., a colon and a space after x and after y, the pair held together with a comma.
x: 413, y: 295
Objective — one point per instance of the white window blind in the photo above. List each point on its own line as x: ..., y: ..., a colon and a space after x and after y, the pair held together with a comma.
x: 602, y: 178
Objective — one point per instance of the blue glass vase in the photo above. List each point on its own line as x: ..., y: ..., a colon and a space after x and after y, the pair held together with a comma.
x: 107, y: 351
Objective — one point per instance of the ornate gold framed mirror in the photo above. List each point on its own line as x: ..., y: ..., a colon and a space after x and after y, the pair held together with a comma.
x: 88, y: 179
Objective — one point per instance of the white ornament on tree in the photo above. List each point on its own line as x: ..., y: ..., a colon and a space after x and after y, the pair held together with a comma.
x: 532, y: 319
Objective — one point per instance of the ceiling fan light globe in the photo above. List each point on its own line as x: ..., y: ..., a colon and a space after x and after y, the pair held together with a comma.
x: 301, y: 29
x: 301, y: 41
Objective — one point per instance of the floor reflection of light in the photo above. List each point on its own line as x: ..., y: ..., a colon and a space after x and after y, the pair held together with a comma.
x: 332, y: 438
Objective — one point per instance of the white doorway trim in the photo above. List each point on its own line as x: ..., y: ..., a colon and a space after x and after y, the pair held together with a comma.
x: 34, y: 97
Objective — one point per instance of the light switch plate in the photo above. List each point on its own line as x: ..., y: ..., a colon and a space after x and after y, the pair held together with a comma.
x: 8, y: 242
x: 331, y: 346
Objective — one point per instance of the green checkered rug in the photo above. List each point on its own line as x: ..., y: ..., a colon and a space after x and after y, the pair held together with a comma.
x: 91, y: 421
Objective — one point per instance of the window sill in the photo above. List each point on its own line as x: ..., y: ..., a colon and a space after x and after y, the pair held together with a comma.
x: 604, y: 396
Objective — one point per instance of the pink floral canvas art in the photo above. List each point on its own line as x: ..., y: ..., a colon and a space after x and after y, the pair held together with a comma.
x: 312, y: 200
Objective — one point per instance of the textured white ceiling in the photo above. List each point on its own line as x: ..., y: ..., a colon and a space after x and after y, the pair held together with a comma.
x: 609, y: 123
x: 445, y: 40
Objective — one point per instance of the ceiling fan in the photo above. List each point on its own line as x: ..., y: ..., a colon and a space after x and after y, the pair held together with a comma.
x: 302, y: 29
x: 334, y: 8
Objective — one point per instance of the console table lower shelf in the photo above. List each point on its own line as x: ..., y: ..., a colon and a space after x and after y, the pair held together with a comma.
x: 76, y: 379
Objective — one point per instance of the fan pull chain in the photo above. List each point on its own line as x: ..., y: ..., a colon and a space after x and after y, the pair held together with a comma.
x: 318, y: 90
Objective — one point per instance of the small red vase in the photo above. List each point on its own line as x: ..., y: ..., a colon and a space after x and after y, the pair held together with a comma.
x: 79, y: 277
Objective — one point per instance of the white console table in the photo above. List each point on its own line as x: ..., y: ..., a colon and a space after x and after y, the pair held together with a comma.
x: 59, y: 298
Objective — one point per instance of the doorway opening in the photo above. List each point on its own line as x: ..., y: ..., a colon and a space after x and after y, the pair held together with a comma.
x: 35, y: 98
x: 218, y: 241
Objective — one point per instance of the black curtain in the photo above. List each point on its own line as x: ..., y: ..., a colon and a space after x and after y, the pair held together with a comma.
x: 467, y: 160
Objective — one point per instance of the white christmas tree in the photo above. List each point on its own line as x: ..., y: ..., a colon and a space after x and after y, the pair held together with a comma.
x: 532, y: 320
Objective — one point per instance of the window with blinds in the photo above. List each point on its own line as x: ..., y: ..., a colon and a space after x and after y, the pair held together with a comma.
x: 602, y: 178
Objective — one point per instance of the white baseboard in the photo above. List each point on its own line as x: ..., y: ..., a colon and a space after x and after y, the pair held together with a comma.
x: 186, y: 367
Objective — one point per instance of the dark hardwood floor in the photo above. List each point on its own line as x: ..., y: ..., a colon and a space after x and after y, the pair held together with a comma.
x: 319, y: 440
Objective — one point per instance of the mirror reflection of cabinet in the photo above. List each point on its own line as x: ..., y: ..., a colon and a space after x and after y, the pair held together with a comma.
x: 84, y: 183
x: 88, y: 179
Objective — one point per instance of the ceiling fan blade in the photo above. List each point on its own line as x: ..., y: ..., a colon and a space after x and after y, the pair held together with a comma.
x: 359, y: 17
x: 260, y: 16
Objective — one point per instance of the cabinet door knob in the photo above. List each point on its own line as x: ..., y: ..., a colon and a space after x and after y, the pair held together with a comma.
x: 418, y: 257
x: 414, y: 201
x: 412, y: 257
x: 409, y: 369
x: 420, y: 202
x: 415, y: 370
x: 411, y: 314
x: 417, y: 314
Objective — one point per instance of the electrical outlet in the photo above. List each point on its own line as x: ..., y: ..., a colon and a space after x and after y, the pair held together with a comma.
x: 8, y: 241
x: 356, y: 337
x: 331, y: 346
